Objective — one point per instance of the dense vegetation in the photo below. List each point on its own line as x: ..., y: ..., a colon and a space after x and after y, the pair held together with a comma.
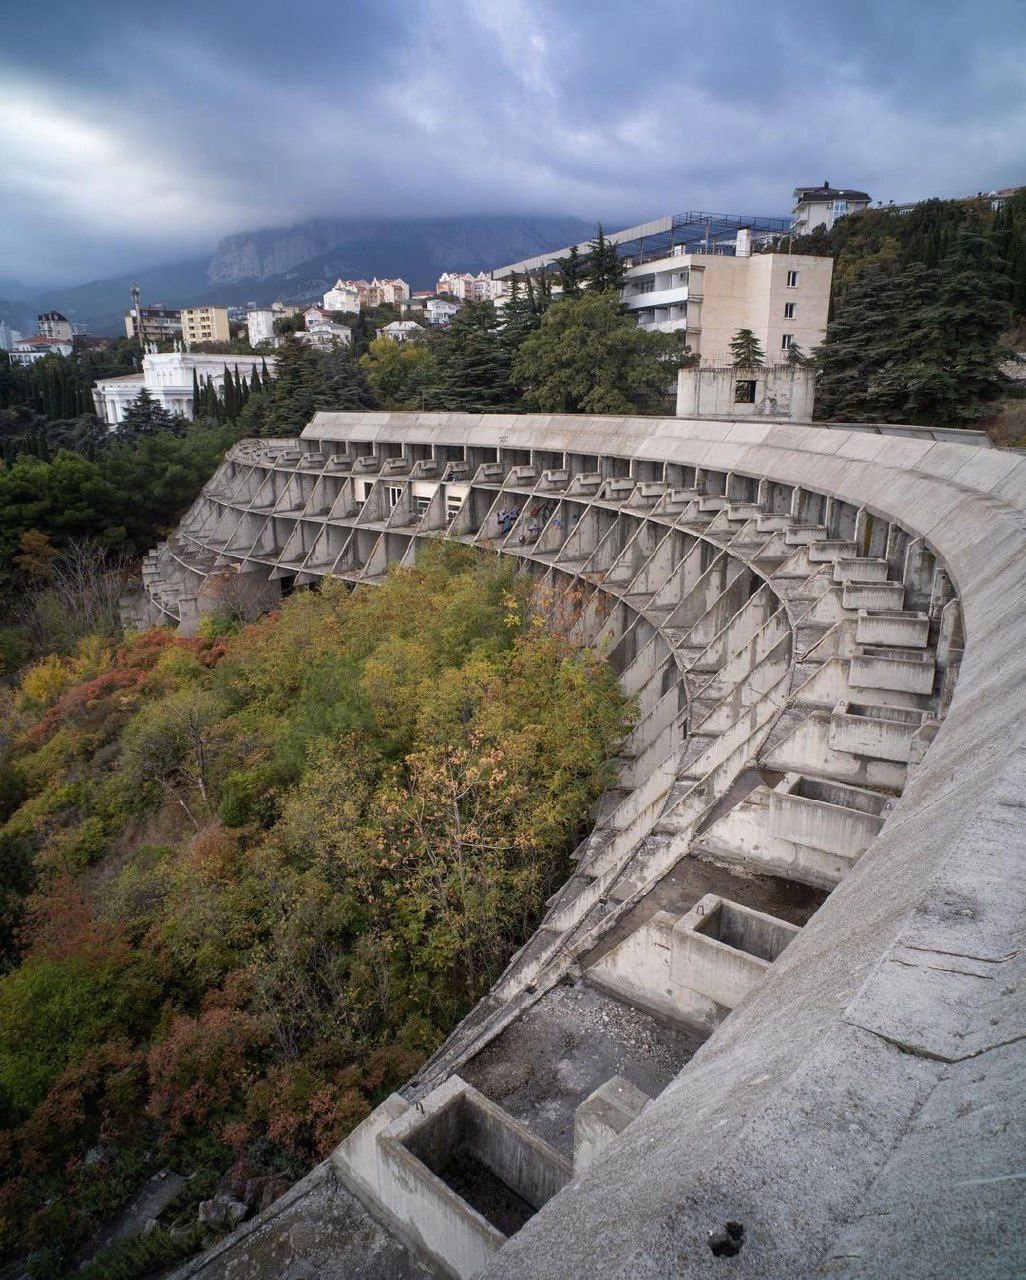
x: 250, y: 881
x: 921, y: 301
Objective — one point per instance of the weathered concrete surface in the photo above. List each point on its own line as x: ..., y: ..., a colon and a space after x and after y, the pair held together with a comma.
x: 316, y: 1231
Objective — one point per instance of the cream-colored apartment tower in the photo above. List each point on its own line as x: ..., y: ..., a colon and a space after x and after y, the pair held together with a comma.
x: 784, y: 298
x: 205, y: 324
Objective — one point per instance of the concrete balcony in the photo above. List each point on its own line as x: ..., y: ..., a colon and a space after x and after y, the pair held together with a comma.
x: 676, y: 297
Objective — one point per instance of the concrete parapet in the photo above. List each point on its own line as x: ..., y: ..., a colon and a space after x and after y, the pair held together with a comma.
x: 825, y: 815
x: 603, y: 1116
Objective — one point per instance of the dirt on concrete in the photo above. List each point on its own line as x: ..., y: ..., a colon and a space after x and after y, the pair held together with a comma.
x: 572, y: 1040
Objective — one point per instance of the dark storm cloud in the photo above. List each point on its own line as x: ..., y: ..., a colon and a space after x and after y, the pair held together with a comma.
x: 131, y: 133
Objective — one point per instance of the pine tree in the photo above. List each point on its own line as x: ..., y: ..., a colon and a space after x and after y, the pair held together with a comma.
x: 954, y: 374
x: 519, y: 317
x: 145, y: 417
x: 571, y: 273
x: 796, y: 357
x: 602, y: 265
x: 745, y: 351
x: 857, y: 350
x: 473, y: 363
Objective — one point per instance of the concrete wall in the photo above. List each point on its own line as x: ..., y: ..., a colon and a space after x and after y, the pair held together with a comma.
x: 781, y: 391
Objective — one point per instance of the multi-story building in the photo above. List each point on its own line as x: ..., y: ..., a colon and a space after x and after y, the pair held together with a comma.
x: 822, y: 206
x: 54, y: 324
x: 322, y: 330
x: 205, y: 324
x: 29, y: 350
x: 456, y: 284
x: 153, y: 324
x: 344, y: 295
x: 260, y: 327
x: 394, y: 292
x: 696, y: 272
x: 170, y: 378
x: 782, y: 298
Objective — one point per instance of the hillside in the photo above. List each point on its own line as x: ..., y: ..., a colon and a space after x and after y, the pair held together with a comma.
x: 251, y: 880
x: 297, y: 263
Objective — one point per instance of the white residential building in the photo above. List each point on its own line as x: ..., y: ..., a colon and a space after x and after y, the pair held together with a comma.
x: 343, y: 296
x: 822, y: 206
x: 440, y: 310
x: 168, y: 377
x: 402, y: 330
x: 322, y: 331
x: 260, y: 328
x: 29, y: 350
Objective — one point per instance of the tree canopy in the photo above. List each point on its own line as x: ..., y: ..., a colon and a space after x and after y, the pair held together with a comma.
x: 587, y: 357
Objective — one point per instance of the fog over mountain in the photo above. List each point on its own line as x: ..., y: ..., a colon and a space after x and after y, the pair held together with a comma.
x: 298, y: 262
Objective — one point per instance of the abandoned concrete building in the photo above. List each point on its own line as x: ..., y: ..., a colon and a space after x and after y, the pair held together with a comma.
x: 773, y: 1025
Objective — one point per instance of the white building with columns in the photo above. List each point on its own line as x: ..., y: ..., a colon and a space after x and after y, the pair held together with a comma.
x: 168, y: 377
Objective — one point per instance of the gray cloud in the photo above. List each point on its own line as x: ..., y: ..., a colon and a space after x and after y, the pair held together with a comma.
x: 129, y: 137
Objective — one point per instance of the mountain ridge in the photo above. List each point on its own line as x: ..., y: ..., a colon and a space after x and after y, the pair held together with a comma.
x: 298, y: 262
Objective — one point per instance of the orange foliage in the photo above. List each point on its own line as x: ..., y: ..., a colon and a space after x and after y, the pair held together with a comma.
x: 201, y: 1069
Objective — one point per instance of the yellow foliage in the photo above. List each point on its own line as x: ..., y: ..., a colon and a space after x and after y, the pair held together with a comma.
x: 44, y: 682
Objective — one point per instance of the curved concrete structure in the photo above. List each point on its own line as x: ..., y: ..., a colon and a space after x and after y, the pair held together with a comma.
x: 825, y: 633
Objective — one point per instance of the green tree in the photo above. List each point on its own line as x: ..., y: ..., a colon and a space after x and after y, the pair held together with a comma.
x: 398, y: 371
x: 745, y: 350
x: 472, y: 363
x: 145, y: 417
x: 952, y: 373
x: 857, y: 350
x: 520, y: 315
x: 571, y: 271
x: 587, y: 357
x: 603, y: 266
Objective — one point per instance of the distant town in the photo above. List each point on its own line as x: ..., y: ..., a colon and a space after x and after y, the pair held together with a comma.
x: 707, y: 275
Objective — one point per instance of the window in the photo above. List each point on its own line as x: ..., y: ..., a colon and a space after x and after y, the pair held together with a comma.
x: 393, y: 493
x: 420, y: 505
x: 789, y: 310
x: 453, y: 502
x: 786, y: 341
x: 744, y: 391
x: 792, y: 279
x: 840, y: 208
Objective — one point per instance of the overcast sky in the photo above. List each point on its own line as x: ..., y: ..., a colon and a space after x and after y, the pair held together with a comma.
x: 134, y: 133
